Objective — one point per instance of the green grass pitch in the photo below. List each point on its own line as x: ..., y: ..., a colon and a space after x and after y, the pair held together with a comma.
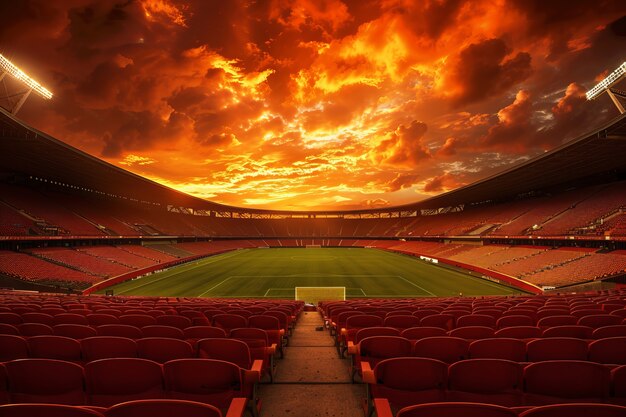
x: 274, y: 273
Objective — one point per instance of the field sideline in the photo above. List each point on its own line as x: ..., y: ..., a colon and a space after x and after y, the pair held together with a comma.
x: 274, y: 273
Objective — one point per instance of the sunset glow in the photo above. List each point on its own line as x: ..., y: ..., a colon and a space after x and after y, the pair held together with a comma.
x: 315, y: 104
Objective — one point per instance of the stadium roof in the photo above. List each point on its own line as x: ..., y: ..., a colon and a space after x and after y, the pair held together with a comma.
x: 27, y: 151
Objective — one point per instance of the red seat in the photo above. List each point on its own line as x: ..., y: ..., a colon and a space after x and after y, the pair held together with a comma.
x: 12, y: 347
x: 514, y: 320
x: 70, y: 318
x: 445, y: 321
x: 161, y: 349
x: 10, y: 318
x: 229, y: 321
x: 208, y: 381
x: 499, y: 348
x: 353, y: 325
x: 75, y: 331
x: 407, y: 380
x: 472, y: 332
x: 55, y: 347
x: 120, y: 330
x: 34, y: 329
x: 618, y: 384
x: 137, y: 320
x: 454, y: 409
x: 46, y: 410
x: 271, y: 325
x: 599, y: 320
x: 611, y: 350
x: 491, y: 381
x: 162, y: 331
x: 444, y: 348
x: 580, y: 332
x: 45, y: 381
x: 170, y: 407
x: 553, y: 382
x: 101, y: 347
x: 416, y: 333
x: 565, y: 348
x: 401, y: 322
x: 9, y: 329
x: 258, y: 343
x: 180, y: 322
x: 576, y: 410
x: 4, y: 386
x: 609, y: 331
x: 560, y: 320
x: 519, y: 332
x: 38, y: 318
x: 375, y: 331
x: 98, y: 319
x: 115, y: 380
x: 229, y: 350
x: 194, y: 333
x: 484, y: 320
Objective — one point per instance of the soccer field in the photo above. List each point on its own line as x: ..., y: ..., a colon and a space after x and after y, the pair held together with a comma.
x: 274, y: 273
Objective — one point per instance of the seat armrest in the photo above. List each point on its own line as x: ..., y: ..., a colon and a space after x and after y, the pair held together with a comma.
x: 367, y: 373
x: 237, y: 407
x: 382, y: 407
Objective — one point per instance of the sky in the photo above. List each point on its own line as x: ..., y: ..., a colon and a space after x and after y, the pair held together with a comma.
x: 315, y: 104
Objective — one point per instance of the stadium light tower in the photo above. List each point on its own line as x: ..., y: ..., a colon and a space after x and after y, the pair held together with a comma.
x: 607, y: 85
x: 8, y: 68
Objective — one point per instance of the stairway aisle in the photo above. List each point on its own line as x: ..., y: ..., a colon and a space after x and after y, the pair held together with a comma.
x: 311, y: 380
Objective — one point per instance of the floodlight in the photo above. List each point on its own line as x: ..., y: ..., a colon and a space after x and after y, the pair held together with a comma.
x: 9, y: 68
x: 603, y: 85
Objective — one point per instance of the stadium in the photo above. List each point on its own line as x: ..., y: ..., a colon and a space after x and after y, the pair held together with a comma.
x: 122, y: 294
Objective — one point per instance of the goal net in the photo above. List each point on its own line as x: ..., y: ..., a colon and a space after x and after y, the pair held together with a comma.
x: 312, y: 295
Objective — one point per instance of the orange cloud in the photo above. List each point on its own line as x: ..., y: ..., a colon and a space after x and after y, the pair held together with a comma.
x: 302, y: 104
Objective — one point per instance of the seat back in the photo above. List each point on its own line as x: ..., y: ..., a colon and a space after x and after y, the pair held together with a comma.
x: 162, y: 349
x: 565, y: 348
x: 102, y: 347
x: 447, y: 349
x: 115, y: 380
x: 12, y: 347
x: 519, y: 332
x: 498, y: 348
x: 163, y: 408
x: 74, y: 331
x: 55, y: 347
x: 401, y: 322
x: 180, y: 322
x: 46, y: 410
x: 456, y: 409
x: 562, y: 381
x: 120, y: 330
x: 492, y: 381
x: 576, y: 331
x: 230, y: 350
x: 375, y: 331
x: 416, y: 333
x: 162, y: 331
x: 610, y: 350
x: 576, y: 410
x: 45, y: 381
x: 472, y: 332
x: 408, y: 380
x: 208, y: 381
x: 484, y: 320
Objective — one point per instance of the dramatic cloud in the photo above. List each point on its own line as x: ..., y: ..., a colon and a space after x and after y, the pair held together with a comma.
x: 315, y: 104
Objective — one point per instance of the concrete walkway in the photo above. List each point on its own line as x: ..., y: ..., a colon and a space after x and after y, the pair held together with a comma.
x: 311, y: 381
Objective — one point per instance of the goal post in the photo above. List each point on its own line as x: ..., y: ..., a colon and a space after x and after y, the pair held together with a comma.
x: 312, y: 295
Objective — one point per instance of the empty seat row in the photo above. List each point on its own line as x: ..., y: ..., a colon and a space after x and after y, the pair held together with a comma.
x: 469, y: 409
x: 243, y: 348
x: 106, y: 382
x: 609, y: 351
x: 154, y: 408
x: 408, y: 380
